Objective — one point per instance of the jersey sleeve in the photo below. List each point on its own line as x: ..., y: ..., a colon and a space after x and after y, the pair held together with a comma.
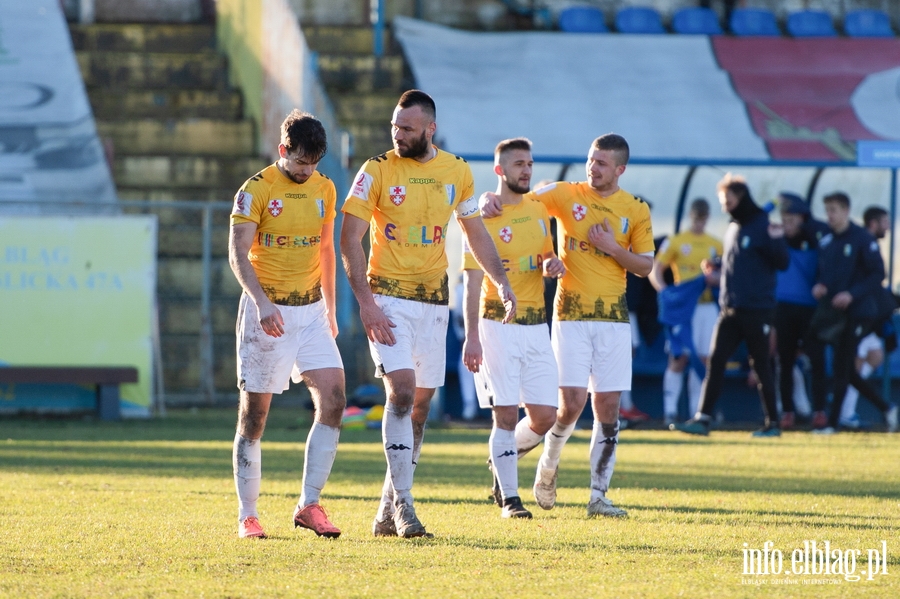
x: 365, y: 192
x: 468, y: 205
x: 547, y: 196
x: 642, y: 234
x: 666, y: 254
x: 249, y: 202
x: 330, y: 202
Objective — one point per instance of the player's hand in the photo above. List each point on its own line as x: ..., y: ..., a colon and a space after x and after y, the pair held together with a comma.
x: 842, y: 300
x: 509, y: 302
x: 332, y: 324
x: 377, y: 325
x: 776, y: 231
x: 819, y: 290
x: 270, y: 319
x: 602, y: 237
x: 472, y: 354
x: 489, y: 204
x: 553, y: 267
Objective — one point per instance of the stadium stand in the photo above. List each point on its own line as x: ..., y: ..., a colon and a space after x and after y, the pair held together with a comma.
x: 639, y: 19
x: 582, y: 19
x: 810, y: 23
x: 697, y: 21
x: 756, y: 22
x: 867, y: 23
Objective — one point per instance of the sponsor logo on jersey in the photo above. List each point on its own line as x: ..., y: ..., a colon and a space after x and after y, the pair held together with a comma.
x: 579, y: 211
x: 270, y: 240
x: 295, y: 196
x: 505, y: 234
x: 624, y: 223
x: 275, y: 207
x: 242, y: 202
x: 398, y: 194
x: 420, y: 181
x: 415, y: 235
x: 320, y: 204
x: 451, y: 193
x: 362, y: 185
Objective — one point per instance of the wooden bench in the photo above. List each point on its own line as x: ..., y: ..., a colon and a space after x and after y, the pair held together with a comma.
x: 107, y: 380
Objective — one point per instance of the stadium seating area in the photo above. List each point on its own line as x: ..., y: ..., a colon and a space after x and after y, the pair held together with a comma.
x: 744, y: 22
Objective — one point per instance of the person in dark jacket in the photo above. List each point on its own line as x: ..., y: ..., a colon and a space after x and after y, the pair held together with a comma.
x: 754, y: 250
x: 850, y: 274
x: 795, y: 302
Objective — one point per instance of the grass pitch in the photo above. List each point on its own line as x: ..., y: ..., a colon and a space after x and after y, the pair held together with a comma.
x: 147, y: 509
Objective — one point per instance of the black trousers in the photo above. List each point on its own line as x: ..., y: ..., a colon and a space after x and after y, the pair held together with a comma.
x: 752, y: 327
x: 792, y: 326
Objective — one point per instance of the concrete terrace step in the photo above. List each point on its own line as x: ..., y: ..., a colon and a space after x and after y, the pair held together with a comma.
x: 344, y: 73
x: 179, y: 136
x: 374, y: 107
x: 165, y: 104
x: 333, y: 39
x: 184, y: 171
x: 140, y: 70
x: 139, y: 37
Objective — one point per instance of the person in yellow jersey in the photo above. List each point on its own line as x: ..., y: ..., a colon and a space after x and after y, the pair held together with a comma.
x: 281, y: 249
x: 604, y: 231
x: 513, y: 363
x: 684, y: 253
x: 405, y: 198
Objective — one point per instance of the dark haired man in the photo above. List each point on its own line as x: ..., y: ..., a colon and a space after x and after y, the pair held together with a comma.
x: 281, y: 249
x: 754, y: 250
x: 405, y: 198
x: 604, y: 232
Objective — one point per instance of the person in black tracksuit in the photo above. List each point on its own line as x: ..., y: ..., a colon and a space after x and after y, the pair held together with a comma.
x: 850, y: 274
x: 754, y: 250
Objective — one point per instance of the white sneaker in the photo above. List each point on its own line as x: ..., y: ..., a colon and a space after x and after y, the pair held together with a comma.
x: 890, y: 417
x: 604, y: 507
x: 545, y: 487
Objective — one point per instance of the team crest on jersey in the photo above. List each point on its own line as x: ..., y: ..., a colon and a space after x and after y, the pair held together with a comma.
x: 398, y: 194
x: 506, y: 234
x: 847, y: 249
x: 320, y: 204
x: 275, y: 207
x: 579, y: 211
x: 242, y: 201
x: 624, y: 223
x: 451, y: 193
x: 686, y: 249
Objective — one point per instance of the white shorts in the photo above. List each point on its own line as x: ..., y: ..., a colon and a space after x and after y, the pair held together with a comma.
x: 595, y: 352
x: 266, y: 364
x: 518, y: 366
x: 702, y: 324
x: 635, y: 331
x: 868, y: 343
x: 421, y: 340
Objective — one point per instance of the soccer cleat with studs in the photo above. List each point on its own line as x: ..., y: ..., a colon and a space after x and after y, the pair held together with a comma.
x: 250, y: 528
x: 604, y: 507
x: 513, y: 508
x: 314, y: 518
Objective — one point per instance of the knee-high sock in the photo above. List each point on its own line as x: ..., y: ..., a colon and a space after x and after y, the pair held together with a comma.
x: 502, y: 445
x: 801, y: 398
x: 526, y: 439
x: 848, y: 409
x: 604, y: 439
x: 672, y: 385
x: 321, y: 447
x: 386, y: 507
x: 554, y: 443
x: 397, y: 434
x: 246, y: 459
x: 694, y: 383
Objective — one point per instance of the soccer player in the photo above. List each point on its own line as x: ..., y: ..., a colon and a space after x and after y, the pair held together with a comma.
x: 405, y: 198
x: 604, y: 232
x: 281, y: 249
x: 683, y: 254
x: 513, y: 363
x: 754, y: 250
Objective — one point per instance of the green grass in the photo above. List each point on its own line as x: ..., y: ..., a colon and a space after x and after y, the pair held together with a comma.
x: 147, y: 509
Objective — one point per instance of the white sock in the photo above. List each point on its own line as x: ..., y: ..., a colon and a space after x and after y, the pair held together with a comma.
x: 526, y: 439
x: 246, y: 459
x: 625, y: 402
x: 604, y: 439
x: 397, y: 434
x: 386, y: 507
x: 554, y: 443
x: 694, y: 383
x: 801, y: 399
x: 502, y: 445
x: 672, y: 385
x: 321, y: 447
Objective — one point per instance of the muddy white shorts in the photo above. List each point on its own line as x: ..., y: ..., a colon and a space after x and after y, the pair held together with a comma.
x: 518, y: 366
x: 421, y: 340
x: 266, y: 364
x: 593, y: 354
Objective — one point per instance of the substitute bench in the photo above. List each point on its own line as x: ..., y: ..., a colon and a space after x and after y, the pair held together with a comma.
x: 107, y: 380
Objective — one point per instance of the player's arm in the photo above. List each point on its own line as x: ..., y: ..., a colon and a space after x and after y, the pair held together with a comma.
x: 327, y: 264
x: 377, y: 325
x: 489, y: 205
x: 602, y: 237
x: 486, y: 255
x: 656, y: 276
x: 472, y: 352
x: 240, y: 239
